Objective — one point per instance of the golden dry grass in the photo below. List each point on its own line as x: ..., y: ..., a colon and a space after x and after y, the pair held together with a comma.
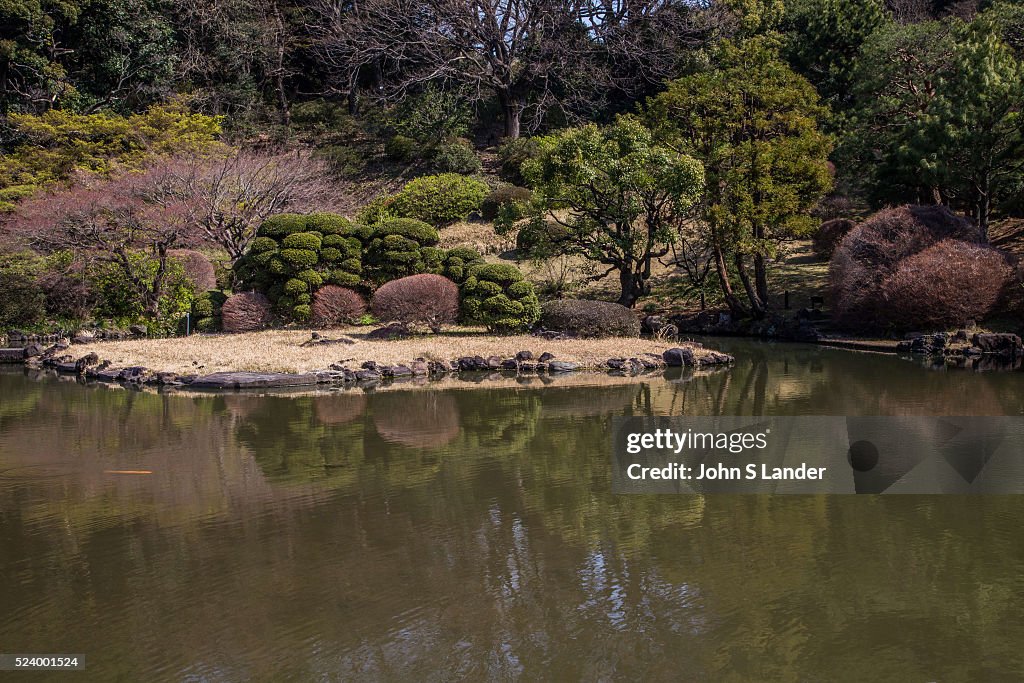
x: 279, y: 350
x: 475, y: 235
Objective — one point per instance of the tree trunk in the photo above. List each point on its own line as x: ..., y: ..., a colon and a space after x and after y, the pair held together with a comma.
x: 983, y: 205
x: 761, y: 278
x: 512, y: 108
x: 631, y: 287
x: 757, y: 309
x: 736, y: 307
x: 279, y: 71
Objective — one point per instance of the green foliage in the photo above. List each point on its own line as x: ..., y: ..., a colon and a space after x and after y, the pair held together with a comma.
x: 510, y: 202
x: 497, y: 296
x: 753, y: 123
x: 206, y: 311
x: 296, y: 254
x: 512, y: 154
x: 120, y: 301
x: 54, y: 145
x: 456, y: 157
x: 439, y: 199
x: 431, y: 116
x: 402, y: 148
x: 458, y: 262
x: 22, y: 303
x: 398, y: 248
x: 626, y: 196
x: 824, y: 38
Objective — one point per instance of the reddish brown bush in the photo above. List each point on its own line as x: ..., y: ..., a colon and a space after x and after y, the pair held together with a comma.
x: 198, y: 269
x: 426, y: 299
x: 870, y: 252
x: 828, y: 236
x: 246, y: 312
x: 333, y: 305
x: 945, y: 285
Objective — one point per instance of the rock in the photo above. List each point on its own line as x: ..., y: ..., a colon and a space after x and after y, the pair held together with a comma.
x: 254, y: 380
x: 466, y: 364
x: 528, y: 366
x: 367, y: 375
x: 510, y: 364
x: 973, y: 351
x: 960, y: 335
x: 716, y: 358
x: 545, y: 357
x: 1001, y: 342
x: 166, y: 378
x: 401, y: 371
x: 419, y: 368
x: 317, y: 340
x: 653, y: 324
x: 83, y: 337
x: 389, y: 331
x: 524, y: 355
x: 650, y: 364
x: 616, y: 363
x: 811, y: 314
x: 12, y: 355
x: 138, y: 330
x: 493, y: 362
x: 85, y: 361
x: 385, y: 370
x: 438, y: 367
x: 562, y: 366
x: 33, y: 350
x: 677, y: 357
x: 369, y: 365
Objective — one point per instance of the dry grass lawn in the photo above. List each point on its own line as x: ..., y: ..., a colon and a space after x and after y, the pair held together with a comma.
x: 280, y: 350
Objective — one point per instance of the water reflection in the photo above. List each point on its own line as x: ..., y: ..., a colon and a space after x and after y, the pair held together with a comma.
x: 471, y: 534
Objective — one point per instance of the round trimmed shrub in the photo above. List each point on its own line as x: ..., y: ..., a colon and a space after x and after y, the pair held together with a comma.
x: 829, y: 235
x: 497, y: 296
x: 428, y: 299
x: 583, y: 318
x: 198, y: 269
x: 540, y: 239
x: 511, y: 156
x: 296, y: 254
x: 506, y: 196
x: 246, y: 312
x: 439, y: 199
x: 333, y: 306
x: 458, y: 262
x: 946, y: 285
x: 396, y: 249
x: 872, y: 250
x: 206, y: 311
x: 456, y: 157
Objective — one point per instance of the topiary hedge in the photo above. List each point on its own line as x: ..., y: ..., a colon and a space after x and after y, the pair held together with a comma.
x: 401, y: 247
x: 293, y: 255
x: 583, y: 318
x: 206, y: 311
x: 439, y: 199
x: 497, y: 296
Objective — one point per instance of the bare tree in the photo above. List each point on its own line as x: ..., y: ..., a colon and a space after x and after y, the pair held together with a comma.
x: 226, y: 198
x: 693, y: 253
x: 531, y: 55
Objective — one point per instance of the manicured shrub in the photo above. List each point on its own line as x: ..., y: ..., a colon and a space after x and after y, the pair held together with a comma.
x: 871, y: 251
x: 458, y: 262
x: 511, y: 156
x: 294, y: 255
x: 540, y: 239
x: 440, y: 199
x: 198, y: 269
x: 206, y: 311
x: 946, y: 285
x: 582, y: 318
x: 456, y: 157
x: 246, y: 312
x: 497, y: 296
x: 396, y: 249
x: 828, y: 236
x: 333, y: 306
x: 427, y: 299
x: 512, y: 198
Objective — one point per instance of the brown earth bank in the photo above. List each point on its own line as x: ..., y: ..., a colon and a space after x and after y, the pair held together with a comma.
x: 291, y: 358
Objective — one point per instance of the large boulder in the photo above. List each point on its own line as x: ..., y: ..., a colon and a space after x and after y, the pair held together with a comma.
x: 1001, y: 342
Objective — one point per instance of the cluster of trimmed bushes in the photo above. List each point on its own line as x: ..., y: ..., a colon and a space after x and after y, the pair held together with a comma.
x: 584, y: 318
x: 916, y: 267
x: 320, y: 268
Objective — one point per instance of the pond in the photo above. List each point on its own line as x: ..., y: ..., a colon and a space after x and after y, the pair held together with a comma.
x: 471, y: 533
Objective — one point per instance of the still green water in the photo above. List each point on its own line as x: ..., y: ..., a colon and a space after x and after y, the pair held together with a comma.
x: 470, y: 534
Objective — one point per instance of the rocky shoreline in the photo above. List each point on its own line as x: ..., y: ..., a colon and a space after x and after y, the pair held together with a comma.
x: 90, y: 367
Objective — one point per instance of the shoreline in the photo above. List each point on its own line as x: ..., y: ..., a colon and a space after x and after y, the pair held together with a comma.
x: 289, y: 359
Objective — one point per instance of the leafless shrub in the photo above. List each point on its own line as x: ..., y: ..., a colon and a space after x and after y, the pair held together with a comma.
x: 333, y: 306
x: 427, y: 299
x: 198, y: 269
x: 246, y: 312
